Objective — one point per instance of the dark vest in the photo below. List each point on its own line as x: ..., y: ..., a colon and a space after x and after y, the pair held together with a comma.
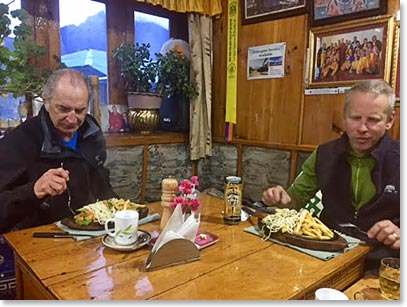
x: 334, y: 176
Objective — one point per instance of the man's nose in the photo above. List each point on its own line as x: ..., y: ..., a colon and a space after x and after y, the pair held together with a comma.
x: 71, y: 117
x: 363, y: 126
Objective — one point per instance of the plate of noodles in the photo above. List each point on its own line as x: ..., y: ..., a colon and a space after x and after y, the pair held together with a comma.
x: 94, y: 216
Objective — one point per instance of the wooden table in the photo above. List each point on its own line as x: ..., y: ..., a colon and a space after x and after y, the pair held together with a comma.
x: 240, y: 266
x: 366, y: 288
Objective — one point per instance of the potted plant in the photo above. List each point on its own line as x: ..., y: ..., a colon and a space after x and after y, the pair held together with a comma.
x: 18, y: 75
x: 147, y: 81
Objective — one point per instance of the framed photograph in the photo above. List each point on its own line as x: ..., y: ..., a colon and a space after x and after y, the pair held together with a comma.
x: 254, y: 11
x: 114, y: 118
x: 395, y: 69
x: 343, y: 55
x: 323, y: 12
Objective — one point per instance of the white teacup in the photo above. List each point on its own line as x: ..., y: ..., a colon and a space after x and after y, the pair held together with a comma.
x: 324, y: 294
x: 125, y: 227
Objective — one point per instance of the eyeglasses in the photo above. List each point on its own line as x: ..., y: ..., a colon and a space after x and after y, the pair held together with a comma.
x: 69, y: 194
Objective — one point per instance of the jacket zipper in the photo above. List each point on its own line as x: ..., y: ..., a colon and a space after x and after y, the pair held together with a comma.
x: 357, y: 188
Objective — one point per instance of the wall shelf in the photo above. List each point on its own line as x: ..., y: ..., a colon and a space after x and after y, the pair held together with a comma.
x: 132, y: 139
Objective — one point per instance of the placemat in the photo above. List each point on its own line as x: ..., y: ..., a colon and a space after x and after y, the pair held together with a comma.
x: 323, y: 255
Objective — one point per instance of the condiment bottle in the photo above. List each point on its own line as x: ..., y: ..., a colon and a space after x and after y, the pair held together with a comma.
x: 233, y: 200
x: 169, y: 188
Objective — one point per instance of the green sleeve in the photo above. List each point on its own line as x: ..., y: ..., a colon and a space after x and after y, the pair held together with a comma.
x: 305, y: 184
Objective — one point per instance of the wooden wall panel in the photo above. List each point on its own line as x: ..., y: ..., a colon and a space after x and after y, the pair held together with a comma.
x: 395, y: 130
x: 321, y: 113
x: 272, y: 112
x: 269, y: 109
x: 120, y: 28
x: 219, y: 71
x: 45, y: 21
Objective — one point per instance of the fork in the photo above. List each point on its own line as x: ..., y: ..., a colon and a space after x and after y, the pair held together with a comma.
x: 69, y: 195
x: 350, y: 225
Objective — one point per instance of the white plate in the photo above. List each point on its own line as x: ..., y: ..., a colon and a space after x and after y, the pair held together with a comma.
x: 143, y: 239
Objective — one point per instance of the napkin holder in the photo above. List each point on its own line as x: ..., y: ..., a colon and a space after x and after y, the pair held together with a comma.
x: 174, y: 252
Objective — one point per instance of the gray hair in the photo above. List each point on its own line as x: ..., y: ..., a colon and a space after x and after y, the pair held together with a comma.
x: 76, y: 78
x: 375, y: 87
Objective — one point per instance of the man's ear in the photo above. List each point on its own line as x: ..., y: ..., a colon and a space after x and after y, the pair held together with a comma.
x: 390, y: 122
x: 46, y: 104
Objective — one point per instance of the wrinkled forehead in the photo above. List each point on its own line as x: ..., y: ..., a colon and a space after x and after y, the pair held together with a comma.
x: 71, y: 90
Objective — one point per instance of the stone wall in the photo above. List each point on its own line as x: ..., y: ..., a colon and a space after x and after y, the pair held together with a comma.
x: 262, y: 168
x: 126, y: 169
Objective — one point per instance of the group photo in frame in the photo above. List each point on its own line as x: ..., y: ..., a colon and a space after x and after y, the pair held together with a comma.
x: 254, y: 11
x: 343, y: 55
x: 323, y: 12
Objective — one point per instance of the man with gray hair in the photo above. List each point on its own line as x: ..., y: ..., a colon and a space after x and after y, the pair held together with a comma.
x: 52, y: 164
x: 358, y: 174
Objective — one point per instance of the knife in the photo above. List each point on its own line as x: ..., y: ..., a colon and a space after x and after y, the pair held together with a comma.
x: 260, y: 213
x: 59, y: 235
x: 258, y: 206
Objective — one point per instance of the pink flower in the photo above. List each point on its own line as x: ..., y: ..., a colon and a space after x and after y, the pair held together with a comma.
x: 187, y: 198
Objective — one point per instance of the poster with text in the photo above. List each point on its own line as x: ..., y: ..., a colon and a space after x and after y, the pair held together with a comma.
x: 266, y: 61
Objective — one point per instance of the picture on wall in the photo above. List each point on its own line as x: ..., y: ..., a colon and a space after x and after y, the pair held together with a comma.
x: 395, y: 70
x: 114, y: 118
x: 342, y: 55
x: 266, y: 61
x: 323, y: 12
x: 254, y: 11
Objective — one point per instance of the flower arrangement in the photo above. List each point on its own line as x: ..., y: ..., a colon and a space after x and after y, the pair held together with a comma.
x: 188, y: 196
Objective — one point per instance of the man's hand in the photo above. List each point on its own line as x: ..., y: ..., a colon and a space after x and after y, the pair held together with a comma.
x: 386, y: 232
x: 53, y: 182
x: 276, y: 196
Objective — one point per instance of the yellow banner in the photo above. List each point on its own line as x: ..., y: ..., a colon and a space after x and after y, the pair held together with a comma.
x: 231, y: 74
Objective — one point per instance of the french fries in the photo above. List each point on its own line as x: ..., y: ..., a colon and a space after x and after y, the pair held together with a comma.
x: 300, y: 223
x: 120, y: 204
x: 312, y: 227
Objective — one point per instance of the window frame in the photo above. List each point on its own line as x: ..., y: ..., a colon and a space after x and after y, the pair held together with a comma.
x: 120, y: 28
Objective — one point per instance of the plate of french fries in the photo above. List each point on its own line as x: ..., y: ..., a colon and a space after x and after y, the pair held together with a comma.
x: 300, y: 228
x: 93, y: 216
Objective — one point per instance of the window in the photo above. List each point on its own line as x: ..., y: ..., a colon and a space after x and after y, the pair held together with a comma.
x: 83, y: 34
x: 151, y: 29
x: 9, y: 106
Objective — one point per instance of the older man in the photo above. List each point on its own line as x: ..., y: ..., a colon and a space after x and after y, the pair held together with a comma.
x: 52, y: 164
x: 358, y: 174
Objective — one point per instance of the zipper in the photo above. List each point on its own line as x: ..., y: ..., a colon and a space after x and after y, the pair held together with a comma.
x: 357, y: 181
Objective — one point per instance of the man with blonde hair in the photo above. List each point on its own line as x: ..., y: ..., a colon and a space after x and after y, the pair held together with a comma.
x: 358, y: 174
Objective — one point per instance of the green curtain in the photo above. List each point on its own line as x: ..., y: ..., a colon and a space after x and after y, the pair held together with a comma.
x: 205, y: 7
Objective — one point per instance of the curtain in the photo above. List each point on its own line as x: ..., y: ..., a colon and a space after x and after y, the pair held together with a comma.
x: 200, y: 37
x: 205, y: 7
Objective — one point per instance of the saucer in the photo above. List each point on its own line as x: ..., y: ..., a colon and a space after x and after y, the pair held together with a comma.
x: 143, y: 239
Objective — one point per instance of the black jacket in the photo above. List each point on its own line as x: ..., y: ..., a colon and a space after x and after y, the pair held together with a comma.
x: 334, y: 177
x: 33, y: 148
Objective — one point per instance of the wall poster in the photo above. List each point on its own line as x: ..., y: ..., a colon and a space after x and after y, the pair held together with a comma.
x: 266, y: 61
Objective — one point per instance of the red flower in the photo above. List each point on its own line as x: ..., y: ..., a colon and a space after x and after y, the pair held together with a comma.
x: 187, y: 198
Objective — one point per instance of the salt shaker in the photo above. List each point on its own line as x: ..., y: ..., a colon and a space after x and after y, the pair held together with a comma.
x: 169, y: 188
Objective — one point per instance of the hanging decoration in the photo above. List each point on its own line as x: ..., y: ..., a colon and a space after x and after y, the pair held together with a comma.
x: 231, y: 74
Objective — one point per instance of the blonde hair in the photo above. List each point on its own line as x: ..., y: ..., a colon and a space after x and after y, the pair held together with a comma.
x: 375, y: 87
